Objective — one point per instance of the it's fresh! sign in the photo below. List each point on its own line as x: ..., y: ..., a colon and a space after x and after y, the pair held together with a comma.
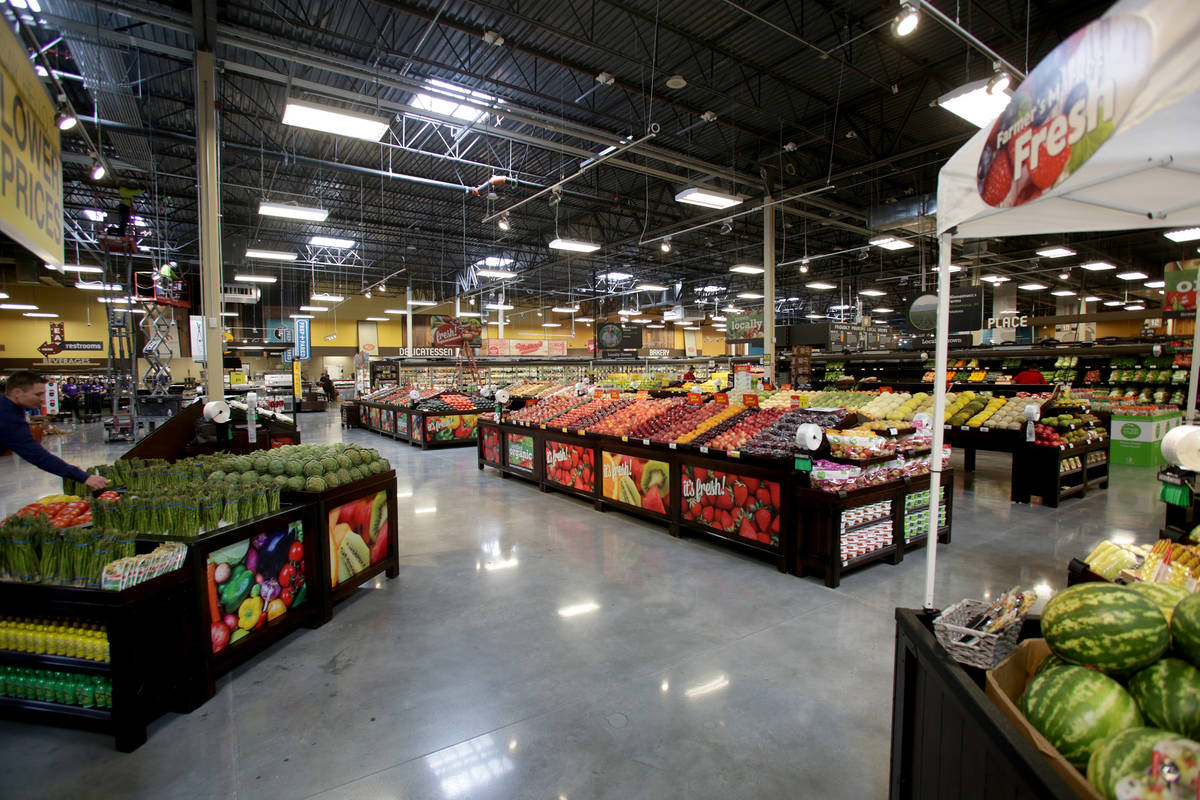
x: 641, y: 482
x: 735, y: 504
x: 570, y: 465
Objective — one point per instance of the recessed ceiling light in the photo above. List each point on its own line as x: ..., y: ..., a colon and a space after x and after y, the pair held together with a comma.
x: 1133, y: 275
x: 1032, y: 287
x: 996, y: 278
x: 707, y: 198
x: 820, y: 286
x: 1064, y: 292
x: 750, y: 295
x: 1155, y: 284
x: 255, y: 278
x: 1056, y: 252
x: 331, y: 242
x: 291, y: 211
x: 1184, y: 235
x: 119, y: 300
x: 271, y: 255
x: 1097, y: 266
x: 334, y: 120
x: 872, y: 293
x: 642, y: 320
x: 746, y: 269
x: 891, y: 243
x: 574, y: 245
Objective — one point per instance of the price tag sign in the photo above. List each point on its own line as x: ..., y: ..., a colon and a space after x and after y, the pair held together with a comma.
x: 984, y: 429
x: 891, y: 431
x: 624, y: 438
x: 671, y: 445
x: 741, y: 368
x: 804, y: 463
x: 704, y: 448
x: 787, y: 387
x: 799, y: 401
x: 646, y: 442
x: 721, y: 398
x: 945, y: 427
x: 695, y: 398
x: 735, y: 454
x: 580, y: 431
x: 884, y: 389
x: 597, y: 393
x: 643, y: 395
x: 564, y: 430
x: 964, y: 428
x: 615, y: 394
x: 750, y: 400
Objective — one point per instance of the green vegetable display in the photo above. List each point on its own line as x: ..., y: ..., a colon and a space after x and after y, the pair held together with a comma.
x: 34, y: 551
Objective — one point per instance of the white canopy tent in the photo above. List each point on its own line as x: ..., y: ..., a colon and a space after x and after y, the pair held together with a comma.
x: 1103, y: 135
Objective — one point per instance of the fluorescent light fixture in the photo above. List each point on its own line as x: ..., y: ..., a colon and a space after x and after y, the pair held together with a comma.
x: 1091, y: 298
x: 493, y: 322
x: 996, y: 278
x: 127, y: 311
x: 731, y: 310
x: 1032, y: 287
x: 1154, y: 284
x: 47, y: 314
x: 746, y: 269
x: 1113, y: 303
x: 399, y: 311
x: 883, y: 310
x: 616, y: 276
x: 1008, y: 311
x: 18, y: 307
x: 317, y: 308
x: 334, y: 120
x: 377, y: 319
x: 891, y: 243
x: 95, y: 215
x: 640, y: 320
x: 255, y: 278
x: 689, y: 328
x: 1135, y: 307
x: 464, y: 313
x: 292, y: 211
x: 656, y: 326
x: 672, y: 314
x: 551, y: 324
x: 301, y: 316
x: 499, y: 306
x: 493, y: 261
x: 793, y: 299
x: 228, y: 314
x: 1056, y: 252
x: 573, y: 245
x: 331, y: 242
x: 872, y: 293
x: 579, y: 608
x: 974, y: 103
x: 82, y: 268
x: 452, y: 106
x: 953, y: 268
x: 1133, y: 275
x: 750, y: 295
x: 119, y: 300
x: 711, y: 289
x: 99, y: 287
x: 841, y: 307
x: 629, y: 312
x: 701, y: 689
x: 1064, y: 292
x: 271, y: 255
x: 815, y: 316
x: 1097, y: 266
x: 708, y: 198
x: 495, y: 273
x: 565, y: 309
x: 1184, y: 235
x: 325, y: 297
x: 650, y: 287
x: 416, y: 302
x: 717, y: 318
x: 820, y: 286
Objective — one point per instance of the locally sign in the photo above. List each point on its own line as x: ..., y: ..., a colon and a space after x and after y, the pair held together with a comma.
x: 740, y: 327
x: 30, y: 160
x: 966, y: 310
x: 1065, y: 110
x: 1180, y: 299
x: 445, y: 331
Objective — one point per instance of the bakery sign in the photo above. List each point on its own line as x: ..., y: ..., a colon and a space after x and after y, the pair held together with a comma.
x: 453, y: 331
x: 58, y: 343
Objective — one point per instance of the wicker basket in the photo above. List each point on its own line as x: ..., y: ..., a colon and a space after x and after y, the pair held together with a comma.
x: 969, y: 646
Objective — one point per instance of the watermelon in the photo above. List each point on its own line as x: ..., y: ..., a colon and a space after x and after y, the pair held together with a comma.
x: 1185, y: 628
x: 1168, y: 694
x: 1126, y: 753
x: 1076, y: 708
x: 1106, y: 626
x: 1051, y: 661
x: 1164, y: 595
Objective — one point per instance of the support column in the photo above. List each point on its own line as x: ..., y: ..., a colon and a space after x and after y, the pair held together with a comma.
x: 408, y: 308
x: 211, y: 264
x: 768, y: 290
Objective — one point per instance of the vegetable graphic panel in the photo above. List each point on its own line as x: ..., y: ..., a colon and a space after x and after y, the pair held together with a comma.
x: 640, y: 482
x: 358, y: 536
x: 454, y: 427
x: 730, y: 503
x: 253, y: 582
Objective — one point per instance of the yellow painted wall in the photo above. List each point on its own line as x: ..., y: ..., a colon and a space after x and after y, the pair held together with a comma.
x: 83, y: 319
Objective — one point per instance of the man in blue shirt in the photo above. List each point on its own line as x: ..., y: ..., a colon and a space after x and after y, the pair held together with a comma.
x: 26, y: 390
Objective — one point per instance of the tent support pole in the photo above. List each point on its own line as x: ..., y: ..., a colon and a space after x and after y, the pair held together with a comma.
x: 939, y: 415
x: 1190, y: 415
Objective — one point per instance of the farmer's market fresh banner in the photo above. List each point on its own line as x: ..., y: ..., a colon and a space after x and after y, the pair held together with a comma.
x: 739, y: 327
x: 1180, y: 299
x: 253, y: 582
x: 641, y: 482
x: 358, y: 536
x: 30, y: 161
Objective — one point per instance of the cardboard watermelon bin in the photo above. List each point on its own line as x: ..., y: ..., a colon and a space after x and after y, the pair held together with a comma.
x: 1006, y: 682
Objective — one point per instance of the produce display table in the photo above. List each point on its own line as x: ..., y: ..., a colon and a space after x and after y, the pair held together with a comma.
x: 948, y: 738
x: 757, y: 504
x: 386, y: 419
x: 425, y: 429
x: 1042, y: 471
x: 152, y: 656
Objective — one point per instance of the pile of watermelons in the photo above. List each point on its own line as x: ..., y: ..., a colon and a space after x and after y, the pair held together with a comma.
x: 1122, y: 676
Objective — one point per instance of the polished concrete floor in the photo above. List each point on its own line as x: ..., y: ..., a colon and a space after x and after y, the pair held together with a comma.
x: 690, y: 671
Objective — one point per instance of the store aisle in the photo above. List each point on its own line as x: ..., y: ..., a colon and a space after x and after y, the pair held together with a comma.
x: 534, y: 648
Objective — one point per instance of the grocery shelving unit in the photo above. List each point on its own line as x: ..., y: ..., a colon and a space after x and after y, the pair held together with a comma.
x: 1039, y: 470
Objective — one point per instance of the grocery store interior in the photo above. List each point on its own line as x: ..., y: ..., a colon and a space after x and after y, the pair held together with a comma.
x: 611, y: 393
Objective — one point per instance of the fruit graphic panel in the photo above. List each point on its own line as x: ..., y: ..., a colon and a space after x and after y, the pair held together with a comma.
x: 455, y: 427
x: 520, y: 451
x: 418, y: 427
x: 641, y: 482
x: 358, y: 536
x: 570, y: 465
x: 253, y: 582
x: 490, y: 440
x: 731, y: 503
x: 389, y: 421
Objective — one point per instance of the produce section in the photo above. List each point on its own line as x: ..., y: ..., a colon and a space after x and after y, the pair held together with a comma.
x: 437, y: 418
